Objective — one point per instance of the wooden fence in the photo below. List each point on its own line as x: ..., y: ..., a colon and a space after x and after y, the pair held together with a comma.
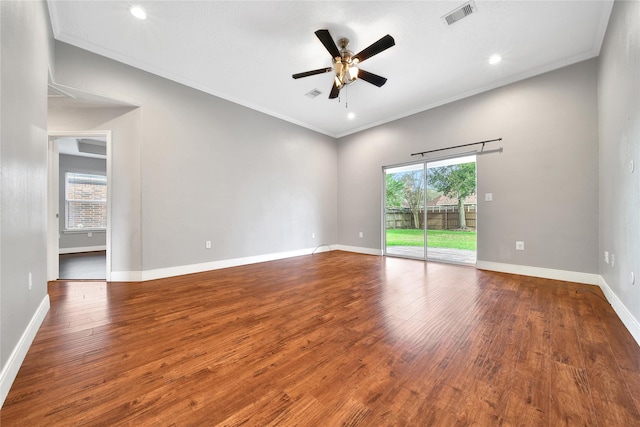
x: 438, y: 218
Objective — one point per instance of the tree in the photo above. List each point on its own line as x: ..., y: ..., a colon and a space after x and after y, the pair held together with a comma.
x: 455, y: 181
x: 413, y: 186
x: 394, y: 191
x: 406, y: 189
x: 432, y: 193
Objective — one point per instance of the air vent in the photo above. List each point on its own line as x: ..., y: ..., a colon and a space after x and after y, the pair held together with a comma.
x: 313, y: 93
x: 460, y: 12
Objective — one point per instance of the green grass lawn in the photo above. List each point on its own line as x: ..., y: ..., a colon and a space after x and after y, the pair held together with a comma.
x: 435, y: 238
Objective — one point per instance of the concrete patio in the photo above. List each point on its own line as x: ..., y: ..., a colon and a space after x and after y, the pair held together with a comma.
x: 434, y: 254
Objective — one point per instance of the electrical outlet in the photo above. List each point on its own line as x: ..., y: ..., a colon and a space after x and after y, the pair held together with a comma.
x: 89, y: 234
x: 488, y: 197
x: 519, y: 246
x: 613, y: 260
x: 207, y: 244
x: 361, y: 234
x: 30, y: 281
x: 313, y: 235
x: 606, y: 257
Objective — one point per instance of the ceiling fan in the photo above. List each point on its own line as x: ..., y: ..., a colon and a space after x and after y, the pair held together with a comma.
x: 345, y: 63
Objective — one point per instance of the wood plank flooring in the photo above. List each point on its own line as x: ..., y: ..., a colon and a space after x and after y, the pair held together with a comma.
x: 327, y: 340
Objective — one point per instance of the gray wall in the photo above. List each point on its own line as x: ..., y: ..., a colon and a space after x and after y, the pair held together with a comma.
x: 212, y: 170
x: 83, y: 165
x: 544, y: 185
x: 619, y: 102
x: 26, y: 48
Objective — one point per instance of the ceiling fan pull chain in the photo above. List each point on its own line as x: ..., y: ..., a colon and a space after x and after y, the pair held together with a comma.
x: 346, y: 98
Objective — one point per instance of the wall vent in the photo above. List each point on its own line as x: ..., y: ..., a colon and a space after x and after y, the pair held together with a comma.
x: 460, y: 12
x: 313, y: 93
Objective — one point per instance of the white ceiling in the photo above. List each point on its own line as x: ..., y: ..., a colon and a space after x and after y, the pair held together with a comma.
x: 246, y: 51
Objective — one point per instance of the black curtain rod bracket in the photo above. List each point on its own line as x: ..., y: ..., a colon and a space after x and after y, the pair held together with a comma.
x: 457, y: 146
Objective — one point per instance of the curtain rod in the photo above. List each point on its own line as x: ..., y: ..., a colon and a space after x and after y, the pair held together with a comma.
x: 457, y: 146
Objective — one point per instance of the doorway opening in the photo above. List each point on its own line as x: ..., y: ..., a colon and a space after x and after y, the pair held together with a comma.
x: 79, y: 237
x: 430, y: 210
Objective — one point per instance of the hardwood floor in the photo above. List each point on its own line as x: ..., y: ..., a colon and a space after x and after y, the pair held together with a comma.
x: 330, y: 339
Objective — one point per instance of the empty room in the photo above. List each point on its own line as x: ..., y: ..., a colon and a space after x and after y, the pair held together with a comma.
x: 421, y: 213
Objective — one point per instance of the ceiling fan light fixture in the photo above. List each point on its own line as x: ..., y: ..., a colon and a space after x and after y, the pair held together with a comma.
x: 353, y: 72
x: 345, y: 63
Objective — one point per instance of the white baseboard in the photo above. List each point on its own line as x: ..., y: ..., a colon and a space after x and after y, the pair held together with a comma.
x: 632, y: 324
x: 357, y: 249
x: 126, y: 276
x: 545, y: 273
x: 161, y: 273
x: 82, y: 249
x: 11, y: 368
x: 216, y: 265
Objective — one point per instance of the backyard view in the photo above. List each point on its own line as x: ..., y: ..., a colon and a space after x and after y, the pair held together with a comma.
x: 436, y: 238
x: 448, y: 198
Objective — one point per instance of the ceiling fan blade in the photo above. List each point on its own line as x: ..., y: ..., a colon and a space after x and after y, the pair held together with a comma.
x: 374, y: 79
x: 327, y: 41
x: 383, y: 44
x: 335, y: 91
x: 312, y: 73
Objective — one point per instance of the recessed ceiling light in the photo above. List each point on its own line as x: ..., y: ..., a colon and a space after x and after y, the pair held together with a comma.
x: 351, y: 115
x: 495, y: 59
x: 138, y: 12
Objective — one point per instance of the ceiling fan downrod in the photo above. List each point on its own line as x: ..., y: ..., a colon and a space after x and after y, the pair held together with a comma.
x: 345, y: 65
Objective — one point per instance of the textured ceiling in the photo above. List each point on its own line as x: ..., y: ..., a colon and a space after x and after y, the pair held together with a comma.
x: 246, y: 51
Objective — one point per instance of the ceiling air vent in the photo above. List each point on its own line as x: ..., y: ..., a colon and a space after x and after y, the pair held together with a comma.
x: 460, y: 12
x: 313, y: 93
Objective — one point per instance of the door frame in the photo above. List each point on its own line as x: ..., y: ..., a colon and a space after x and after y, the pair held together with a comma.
x: 53, y: 202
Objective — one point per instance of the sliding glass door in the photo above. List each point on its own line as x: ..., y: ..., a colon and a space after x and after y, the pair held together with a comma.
x: 430, y: 210
x: 404, y: 211
x: 451, y: 210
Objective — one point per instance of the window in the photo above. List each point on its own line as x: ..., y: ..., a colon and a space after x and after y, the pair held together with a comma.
x: 85, y: 201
